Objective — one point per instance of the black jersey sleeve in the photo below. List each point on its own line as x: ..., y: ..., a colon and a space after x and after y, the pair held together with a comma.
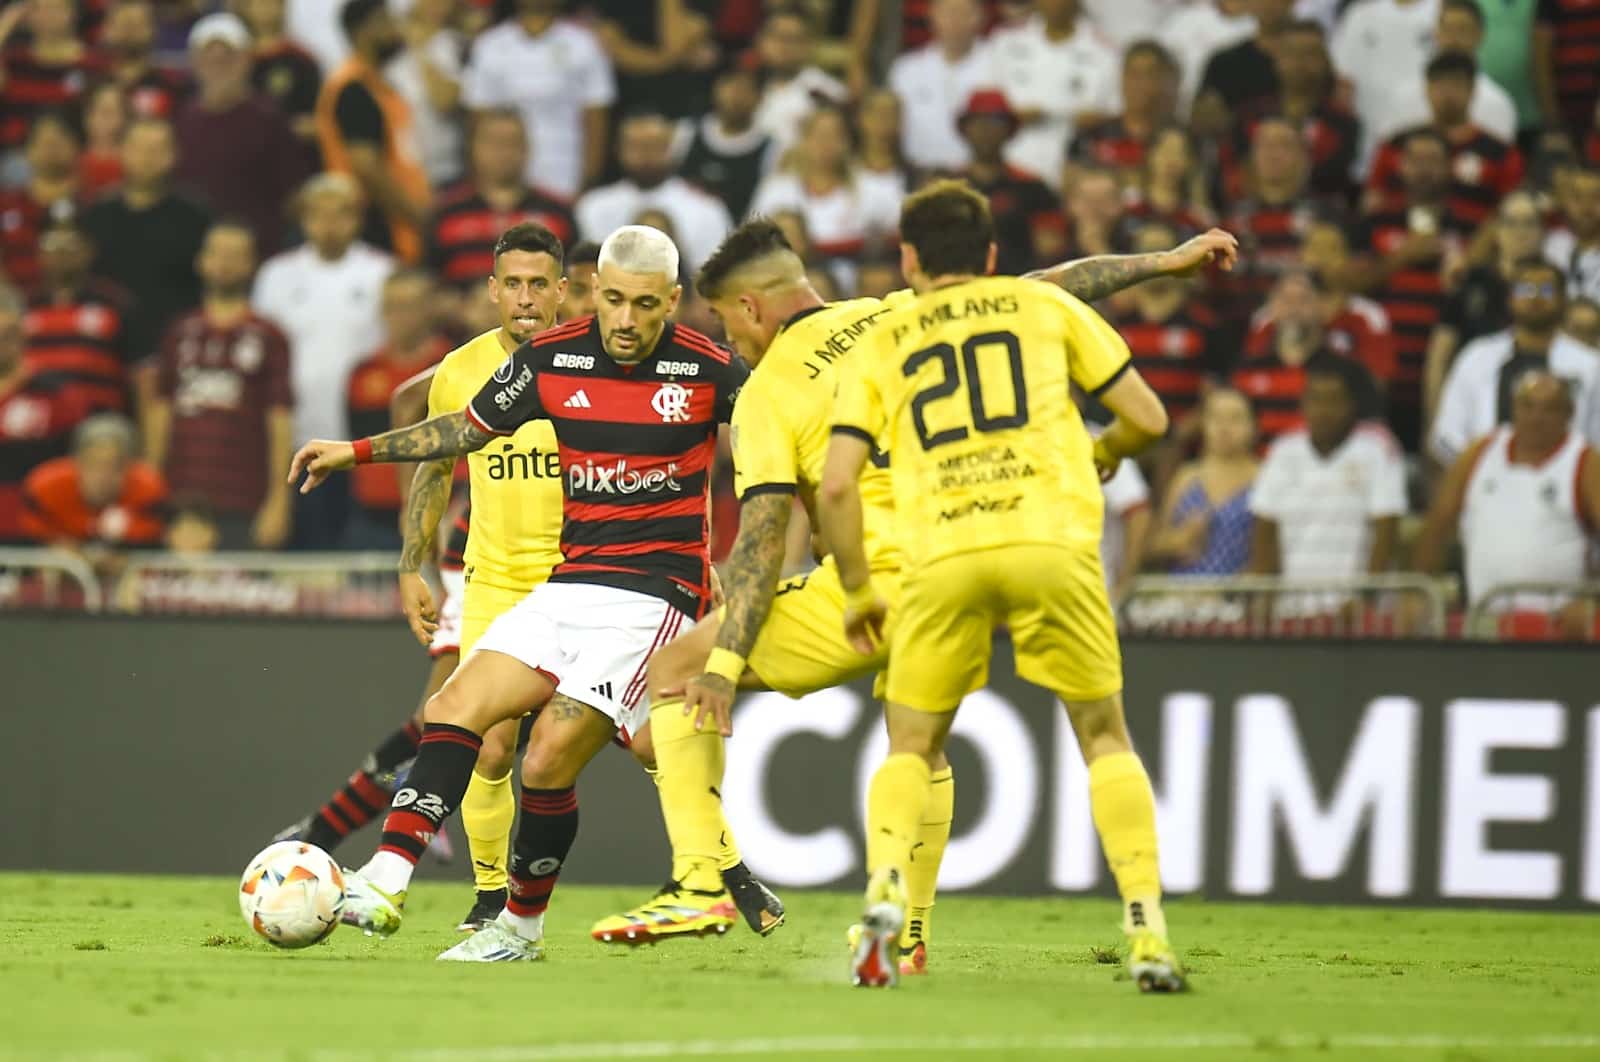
x: 510, y: 398
x: 730, y: 382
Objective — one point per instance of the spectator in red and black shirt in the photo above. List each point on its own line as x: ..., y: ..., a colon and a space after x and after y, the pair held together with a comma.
x: 50, y: 71
x: 410, y: 345
x: 471, y: 215
x: 1354, y: 325
x: 1170, y: 333
x: 1305, y: 98
x: 1483, y: 169
x: 1149, y: 101
x: 75, y: 325
x: 1405, y: 250
x: 282, y: 71
x: 221, y: 421
x: 98, y: 501
x: 1272, y: 375
x: 37, y: 415
x: 1097, y: 221
x: 51, y: 194
x: 1566, y: 64
x: 1172, y: 185
x: 1030, y: 229
x: 129, y: 38
x: 1271, y: 224
x: 146, y: 237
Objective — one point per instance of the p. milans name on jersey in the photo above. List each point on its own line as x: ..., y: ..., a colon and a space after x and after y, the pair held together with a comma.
x: 954, y: 310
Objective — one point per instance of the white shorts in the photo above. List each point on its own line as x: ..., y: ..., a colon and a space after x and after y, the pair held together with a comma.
x: 592, y: 642
x: 447, y: 636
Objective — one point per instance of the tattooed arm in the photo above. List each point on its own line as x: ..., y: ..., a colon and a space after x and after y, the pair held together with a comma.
x: 447, y: 435
x: 1091, y: 279
x: 749, y: 583
x: 425, y: 506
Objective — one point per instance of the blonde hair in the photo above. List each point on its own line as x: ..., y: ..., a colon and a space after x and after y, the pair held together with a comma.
x: 640, y: 249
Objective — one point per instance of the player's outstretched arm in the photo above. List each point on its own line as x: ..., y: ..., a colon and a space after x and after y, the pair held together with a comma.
x: 839, y: 511
x: 425, y: 506
x: 1091, y: 279
x: 447, y: 435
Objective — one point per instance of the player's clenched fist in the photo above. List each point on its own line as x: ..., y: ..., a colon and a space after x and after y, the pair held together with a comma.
x: 417, y: 601
x: 317, y: 459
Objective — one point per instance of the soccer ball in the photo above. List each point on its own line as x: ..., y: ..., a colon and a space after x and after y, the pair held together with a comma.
x: 291, y: 894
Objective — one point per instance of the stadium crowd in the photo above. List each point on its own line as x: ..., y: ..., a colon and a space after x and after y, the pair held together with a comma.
x: 229, y: 227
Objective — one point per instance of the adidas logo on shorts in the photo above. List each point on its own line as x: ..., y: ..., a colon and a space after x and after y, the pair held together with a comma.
x: 579, y: 400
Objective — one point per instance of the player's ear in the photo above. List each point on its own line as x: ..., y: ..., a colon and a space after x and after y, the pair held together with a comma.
x: 908, y: 261
x: 989, y: 261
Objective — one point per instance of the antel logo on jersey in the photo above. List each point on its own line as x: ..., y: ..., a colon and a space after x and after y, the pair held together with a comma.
x: 573, y: 361
x: 507, y: 396
x: 618, y: 478
x: 677, y: 368
x: 672, y: 402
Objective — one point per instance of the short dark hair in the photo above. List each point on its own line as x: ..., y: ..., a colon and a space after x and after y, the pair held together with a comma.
x: 585, y: 253
x: 1470, y: 7
x: 756, y: 238
x: 1452, y: 64
x: 355, y: 13
x: 1425, y: 132
x: 1306, y: 25
x: 949, y: 224
x: 1357, y: 381
x: 532, y: 237
x: 235, y: 223
x: 1155, y: 50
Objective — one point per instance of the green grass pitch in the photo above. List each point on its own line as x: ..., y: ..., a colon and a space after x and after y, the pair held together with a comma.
x: 136, y: 968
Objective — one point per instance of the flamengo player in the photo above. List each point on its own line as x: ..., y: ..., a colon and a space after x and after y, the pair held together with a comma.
x: 635, y: 402
x: 997, y: 492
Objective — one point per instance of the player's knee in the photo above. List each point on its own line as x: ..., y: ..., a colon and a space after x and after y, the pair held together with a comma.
x: 447, y: 706
x: 496, y: 754
x: 643, y: 748
x: 1100, y: 727
x: 547, y: 767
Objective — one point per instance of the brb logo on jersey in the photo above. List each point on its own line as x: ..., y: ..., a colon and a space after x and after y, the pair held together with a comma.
x: 618, y: 478
x: 672, y: 402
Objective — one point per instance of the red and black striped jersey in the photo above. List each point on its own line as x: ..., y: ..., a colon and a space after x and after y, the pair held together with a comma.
x: 23, y: 219
x: 1269, y: 245
x: 636, y: 444
x: 37, y: 416
x: 1359, y: 329
x: 78, y: 339
x: 372, y: 383
x: 454, y: 558
x: 465, y: 227
x: 1185, y: 221
x: 1412, y: 297
x: 1332, y: 137
x: 1576, y: 27
x: 1483, y: 170
x: 1110, y: 144
x: 1274, y: 388
x: 1175, y: 355
x: 32, y: 86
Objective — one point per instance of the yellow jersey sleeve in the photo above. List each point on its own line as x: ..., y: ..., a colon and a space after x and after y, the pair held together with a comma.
x: 765, y: 456
x: 1097, y: 355
x: 858, y: 407
x: 441, y: 391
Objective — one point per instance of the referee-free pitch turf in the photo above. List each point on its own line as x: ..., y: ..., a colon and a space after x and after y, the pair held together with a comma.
x: 139, y: 967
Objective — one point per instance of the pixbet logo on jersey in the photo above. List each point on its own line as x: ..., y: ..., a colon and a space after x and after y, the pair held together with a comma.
x: 672, y: 402
x: 618, y: 478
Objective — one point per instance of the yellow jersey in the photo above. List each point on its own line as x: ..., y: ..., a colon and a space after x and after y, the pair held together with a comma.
x: 515, y: 480
x: 969, y: 387
x: 782, y: 417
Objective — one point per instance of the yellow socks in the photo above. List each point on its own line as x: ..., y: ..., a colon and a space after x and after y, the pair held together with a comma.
x: 1125, y: 815
x: 487, y: 812
x: 895, y: 804
x: 689, y: 763
x: 922, y: 873
x: 730, y: 856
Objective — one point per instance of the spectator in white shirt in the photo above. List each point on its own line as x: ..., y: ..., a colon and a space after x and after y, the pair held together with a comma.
x: 1459, y: 29
x: 1575, y: 249
x: 644, y: 153
x: 1329, y: 498
x: 1377, y: 44
x: 793, y: 83
x: 1198, y: 31
x: 1477, y: 392
x: 845, y: 208
x: 1059, y: 75
x: 555, y: 72
x: 428, y: 75
x: 325, y: 296
x: 935, y: 81
x: 1524, y: 501
x: 1583, y: 322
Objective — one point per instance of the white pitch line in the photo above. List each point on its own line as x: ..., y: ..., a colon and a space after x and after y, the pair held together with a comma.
x: 838, y: 1045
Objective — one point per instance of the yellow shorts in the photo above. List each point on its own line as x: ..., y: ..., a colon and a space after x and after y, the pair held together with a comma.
x: 801, y: 647
x: 1054, y: 600
x: 481, y: 605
